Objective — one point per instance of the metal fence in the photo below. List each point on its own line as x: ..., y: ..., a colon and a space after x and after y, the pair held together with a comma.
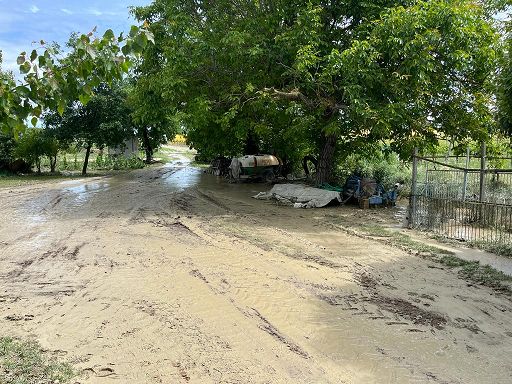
x: 470, y: 204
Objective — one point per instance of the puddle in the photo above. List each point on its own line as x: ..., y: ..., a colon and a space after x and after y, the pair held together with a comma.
x: 181, y: 177
x: 84, y: 192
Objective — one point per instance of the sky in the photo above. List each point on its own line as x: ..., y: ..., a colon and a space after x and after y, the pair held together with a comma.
x: 23, y: 22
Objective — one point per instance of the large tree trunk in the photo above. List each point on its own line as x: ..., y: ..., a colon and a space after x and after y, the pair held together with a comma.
x: 53, y: 163
x: 86, y: 161
x: 324, y: 170
x: 251, y: 144
x: 147, y: 146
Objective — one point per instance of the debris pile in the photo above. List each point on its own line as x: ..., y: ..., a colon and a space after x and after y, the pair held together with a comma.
x: 300, y: 196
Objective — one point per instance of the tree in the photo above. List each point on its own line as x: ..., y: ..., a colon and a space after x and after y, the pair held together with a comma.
x: 505, y: 89
x: 35, y: 143
x: 338, y: 75
x: 31, y: 147
x: 103, y: 121
x: 53, y: 79
x: 7, y: 147
x: 154, y: 122
x: 10, y: 101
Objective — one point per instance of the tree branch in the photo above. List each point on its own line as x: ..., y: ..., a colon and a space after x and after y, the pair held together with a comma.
x: 296, y: 95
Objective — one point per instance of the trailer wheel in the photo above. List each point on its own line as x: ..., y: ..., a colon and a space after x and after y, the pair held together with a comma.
x: 268, y: 176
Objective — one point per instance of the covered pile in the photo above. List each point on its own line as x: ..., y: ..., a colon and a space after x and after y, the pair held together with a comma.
x: 300, y: 196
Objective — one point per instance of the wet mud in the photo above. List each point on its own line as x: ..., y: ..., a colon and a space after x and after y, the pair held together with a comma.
x: 169, y: 275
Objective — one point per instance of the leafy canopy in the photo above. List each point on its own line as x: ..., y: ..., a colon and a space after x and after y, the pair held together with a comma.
x: 294, y: 72
x: 52, y: 79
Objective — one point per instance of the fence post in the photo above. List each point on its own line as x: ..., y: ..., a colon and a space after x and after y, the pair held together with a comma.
x: 465, y: 186
x: 412, y: 201
x: 482, y: 172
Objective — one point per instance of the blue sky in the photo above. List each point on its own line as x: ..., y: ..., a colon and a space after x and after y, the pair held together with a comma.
x: 22, y: 22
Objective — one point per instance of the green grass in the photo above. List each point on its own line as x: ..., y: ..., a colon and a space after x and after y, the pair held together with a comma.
x: 375, y: 230
x: 472, y: 271
x: 11, y: 181
x: 401, y: 239
x: 496, y: 248
x: 168, y: 154
x: 24, y: 362
x: 165, y: 155
x: 500, y: 249
x: 21, y: 180
x: 404, y: 240
x: 481, y: 274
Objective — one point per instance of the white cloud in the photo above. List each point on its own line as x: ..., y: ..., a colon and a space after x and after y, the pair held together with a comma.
x: 66, y: 11
x: 34, y: 9
x: 95, y: 12
x: 10, y: 52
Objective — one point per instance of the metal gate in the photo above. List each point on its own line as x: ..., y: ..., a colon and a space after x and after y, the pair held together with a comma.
x: 460, y: 202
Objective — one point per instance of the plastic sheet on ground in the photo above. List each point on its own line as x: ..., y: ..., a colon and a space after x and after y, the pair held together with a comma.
x: 300, y: 196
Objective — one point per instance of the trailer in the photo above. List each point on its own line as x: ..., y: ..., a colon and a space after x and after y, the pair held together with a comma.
x: 262, y: 167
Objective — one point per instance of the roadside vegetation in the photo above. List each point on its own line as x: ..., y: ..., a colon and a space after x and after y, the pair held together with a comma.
x: 501, y: 249
x: 24, y: 362
x: 472, y: 271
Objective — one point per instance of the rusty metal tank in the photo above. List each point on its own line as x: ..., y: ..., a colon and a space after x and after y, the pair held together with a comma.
x: 255, y: 166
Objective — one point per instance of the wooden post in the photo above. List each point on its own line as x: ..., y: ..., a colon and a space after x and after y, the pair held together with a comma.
x: 413, y: 199
x: 482, y: 172
x: 465, y: 186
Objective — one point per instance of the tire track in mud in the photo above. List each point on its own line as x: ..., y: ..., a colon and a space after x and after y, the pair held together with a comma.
x: 64, y: 251
x: 185, y: 330
x: 398, y: 307
x: 212, y: 200
x: 286, y: 251
x: 55, y: 201
x: 252, y: 313
x: 161, y: 219
x: 373, y: 304
x: 175, y: 226
x: 267, y: 326
x: 200, y: 334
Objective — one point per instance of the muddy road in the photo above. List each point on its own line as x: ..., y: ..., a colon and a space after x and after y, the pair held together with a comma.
x: 167, y: 275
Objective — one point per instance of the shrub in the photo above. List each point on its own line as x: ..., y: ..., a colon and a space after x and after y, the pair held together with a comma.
x: 386, y: 168
x: 24, y: 362
x: 7, y: 147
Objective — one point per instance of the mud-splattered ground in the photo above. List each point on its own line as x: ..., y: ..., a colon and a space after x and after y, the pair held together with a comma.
x: 166, y: 275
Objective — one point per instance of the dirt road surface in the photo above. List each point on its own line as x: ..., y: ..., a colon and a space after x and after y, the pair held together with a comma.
x: 167, y: 275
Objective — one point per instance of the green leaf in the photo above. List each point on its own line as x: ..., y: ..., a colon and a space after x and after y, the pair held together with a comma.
x: 125, y: 66
x: 25, y: 67
x: 21, y: 59
x: 127, y: 49
x: 109, y: 34
x: 134, y: 30
x: 84, y: 99
x: 95, y: 81
x: 23, y: 91
x: 34, y: 121
x: 33, y: 55
x: 61, y: 106
x: 42, y: 61
x: 37, y: 111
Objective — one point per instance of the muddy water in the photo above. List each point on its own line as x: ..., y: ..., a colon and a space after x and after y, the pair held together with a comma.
x: 168, y: 275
